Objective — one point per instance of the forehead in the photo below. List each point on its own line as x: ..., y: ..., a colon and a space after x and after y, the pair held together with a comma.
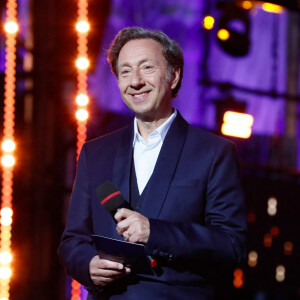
x: 143, y: 49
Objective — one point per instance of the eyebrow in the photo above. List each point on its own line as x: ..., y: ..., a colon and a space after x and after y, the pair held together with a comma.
x: 126, y: 64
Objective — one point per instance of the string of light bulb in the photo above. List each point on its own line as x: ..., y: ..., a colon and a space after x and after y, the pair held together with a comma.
x: 82, y: 98
x: 8, y: 146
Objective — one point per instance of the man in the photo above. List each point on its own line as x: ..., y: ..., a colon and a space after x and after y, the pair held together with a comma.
x: 182, y: 183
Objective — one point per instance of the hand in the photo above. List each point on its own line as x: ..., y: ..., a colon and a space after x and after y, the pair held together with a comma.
x: 104, y: 272
x: 133, y: 226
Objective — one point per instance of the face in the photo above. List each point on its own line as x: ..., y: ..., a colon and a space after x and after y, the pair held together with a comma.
x: 143, y: 79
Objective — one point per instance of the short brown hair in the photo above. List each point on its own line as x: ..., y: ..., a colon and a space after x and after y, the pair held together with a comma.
x: 171, y: 49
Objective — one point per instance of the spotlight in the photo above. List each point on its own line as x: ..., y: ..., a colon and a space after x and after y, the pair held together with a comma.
x: 208, y: 22
x: 237, y: 124
x: 273, y: 6
x: 223, y: 34
x: 235, y: 23
x: 231, y: 118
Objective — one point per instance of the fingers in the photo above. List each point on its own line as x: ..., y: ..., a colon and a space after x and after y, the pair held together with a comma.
x: 133, y: 226
x: 127, y: 235
x: 124, y: 218
x: 123, y: 213
x: 104, y: 272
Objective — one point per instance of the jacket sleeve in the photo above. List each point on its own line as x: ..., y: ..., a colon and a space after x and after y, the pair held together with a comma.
x: 76, y: 250
x: 221, y: 237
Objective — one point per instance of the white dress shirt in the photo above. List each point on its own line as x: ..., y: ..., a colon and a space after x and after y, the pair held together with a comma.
x: 145, y: 154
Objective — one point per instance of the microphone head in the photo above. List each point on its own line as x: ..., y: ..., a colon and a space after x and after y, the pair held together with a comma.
x: 110, y: 197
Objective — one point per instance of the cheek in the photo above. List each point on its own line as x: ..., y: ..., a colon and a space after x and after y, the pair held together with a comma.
x: 122, y: 86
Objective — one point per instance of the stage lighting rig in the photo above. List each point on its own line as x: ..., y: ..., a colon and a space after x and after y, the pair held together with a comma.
x: 233, y: 29
x: 231, y: 118
x: 275, y: 6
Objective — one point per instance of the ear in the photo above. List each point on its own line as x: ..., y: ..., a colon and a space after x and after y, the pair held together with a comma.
x: 175, y: 78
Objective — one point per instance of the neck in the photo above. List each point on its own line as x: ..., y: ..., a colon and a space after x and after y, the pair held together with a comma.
x: 146, y: 127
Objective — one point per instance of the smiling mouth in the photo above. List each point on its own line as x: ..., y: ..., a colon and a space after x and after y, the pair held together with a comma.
x: 139, y: 95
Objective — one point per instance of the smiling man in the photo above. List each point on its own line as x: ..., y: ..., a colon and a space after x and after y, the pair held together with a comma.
x: 181, y: 182
x: 145, y: 83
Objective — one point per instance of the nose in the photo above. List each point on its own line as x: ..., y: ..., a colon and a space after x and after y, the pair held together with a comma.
x: 136, y: 79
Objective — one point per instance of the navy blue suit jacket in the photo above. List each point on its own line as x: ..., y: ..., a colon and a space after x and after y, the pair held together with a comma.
x: 194, y: 203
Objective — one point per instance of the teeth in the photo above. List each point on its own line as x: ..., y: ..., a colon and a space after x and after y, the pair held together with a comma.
x: 140, y: 95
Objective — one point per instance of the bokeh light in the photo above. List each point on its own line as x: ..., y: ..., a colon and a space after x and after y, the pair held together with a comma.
x: 82, y: 26
x: 272, y: 206
x: 208, y: 22
x: 82, y: 100
x: 238, y: 278
x: 6, y: 212
x: 247, y: 4
x: 8, y: 146
x: 82, y: 114
x: 288, y: 248
x: 275, y: 231
x: 5, y: 258
x: 268, y: 240
x: 272, y: 8
x: 82, y: 63
x: 252, y: 258
x: 223, y: 34
x: 11, y: 27
x: 8, y: 160
x: 5, y: 273
x: 280, y: 273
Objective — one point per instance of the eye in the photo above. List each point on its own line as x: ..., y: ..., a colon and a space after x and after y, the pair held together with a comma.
x: 125, y: 72
x: 148, y: 68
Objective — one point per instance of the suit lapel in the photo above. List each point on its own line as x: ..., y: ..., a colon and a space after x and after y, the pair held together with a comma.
x: 165, y: 168
x: 122, y: 163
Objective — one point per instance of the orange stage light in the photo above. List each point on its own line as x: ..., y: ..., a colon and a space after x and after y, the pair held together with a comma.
x: 82, y: 99
x: 11, y: 28
x: 237, y: 124
x: 208, y: 22
x: 272, y: 8
x: 247, y: 4
x: 238, y: 278
x: 223, y: 34
x: 268, y: 240
x: 288, y: 248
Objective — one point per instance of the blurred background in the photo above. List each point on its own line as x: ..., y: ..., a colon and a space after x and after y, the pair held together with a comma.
x: 240, y: 56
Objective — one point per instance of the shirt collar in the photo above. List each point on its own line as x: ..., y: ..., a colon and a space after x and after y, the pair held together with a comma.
x: 161, y: 130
